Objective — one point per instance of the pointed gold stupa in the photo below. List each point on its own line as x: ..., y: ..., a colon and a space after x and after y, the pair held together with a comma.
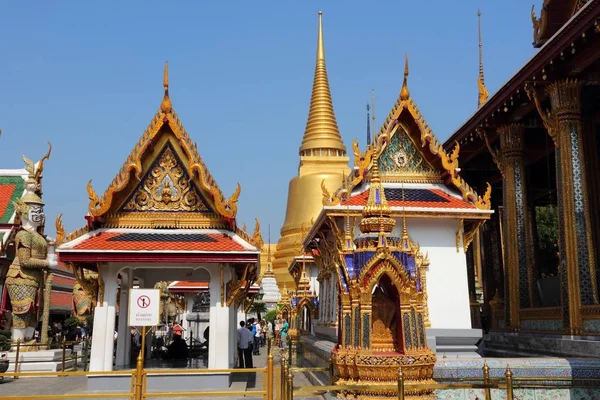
x: 321, y: 128
x: 323, y: 159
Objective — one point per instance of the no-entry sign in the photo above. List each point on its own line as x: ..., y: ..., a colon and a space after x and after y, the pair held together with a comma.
x: 144, y: 307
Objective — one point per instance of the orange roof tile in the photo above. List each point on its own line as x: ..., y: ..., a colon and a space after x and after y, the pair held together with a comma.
x: 425, y: 198
x: 130, y: 241
x: 186, y: 284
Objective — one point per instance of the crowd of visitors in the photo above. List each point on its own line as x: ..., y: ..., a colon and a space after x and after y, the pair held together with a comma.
x: 253, y: 334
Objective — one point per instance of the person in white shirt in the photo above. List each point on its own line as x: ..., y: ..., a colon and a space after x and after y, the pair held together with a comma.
x: 257, y: 336
x: 244, y: 341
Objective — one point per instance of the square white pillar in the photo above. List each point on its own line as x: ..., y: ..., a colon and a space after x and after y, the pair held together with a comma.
x: 104, y: 323
x: 218, y: 346
x: 123, y: 338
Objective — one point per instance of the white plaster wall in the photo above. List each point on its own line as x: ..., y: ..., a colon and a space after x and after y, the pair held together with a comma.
x: 447, y: 285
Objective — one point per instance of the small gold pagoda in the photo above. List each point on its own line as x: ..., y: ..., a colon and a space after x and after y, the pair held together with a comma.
x: 384, y: 305
x: 323, y: 159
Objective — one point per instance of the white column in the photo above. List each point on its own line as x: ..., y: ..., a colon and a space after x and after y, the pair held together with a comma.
x: 218, y: 346
x: 123, y: 340
x: 104, y: 323
x: 232, y: 338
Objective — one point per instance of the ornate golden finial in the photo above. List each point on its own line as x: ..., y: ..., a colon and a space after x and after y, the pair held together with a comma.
x: 404, y: 93
x: 166, y: 105
x: 60, y: 231
x: 376, y: 213
x: 348, y: 239
x: 483, y: 92
x: 321, y: 128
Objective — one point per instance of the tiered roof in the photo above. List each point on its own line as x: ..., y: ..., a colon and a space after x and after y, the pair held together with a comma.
x: 416, y: 172
x: 163, y: 200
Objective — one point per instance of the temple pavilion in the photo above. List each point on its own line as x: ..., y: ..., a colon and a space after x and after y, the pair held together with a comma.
x: 164, y: 218
x: 536, y: 141
x: 427, y: 199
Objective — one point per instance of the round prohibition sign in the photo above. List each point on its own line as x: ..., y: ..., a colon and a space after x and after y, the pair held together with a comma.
x: 143, y: 301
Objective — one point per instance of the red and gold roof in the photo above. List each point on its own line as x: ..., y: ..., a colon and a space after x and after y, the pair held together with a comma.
x: 162, y: 204
x: 159, y: 245
x: 409, y: 153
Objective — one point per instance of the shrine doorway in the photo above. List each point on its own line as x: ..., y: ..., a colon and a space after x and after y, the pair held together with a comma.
x: 386, y: 327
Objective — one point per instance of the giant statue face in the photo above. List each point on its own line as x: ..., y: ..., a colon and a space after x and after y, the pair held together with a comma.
x: 36, y: 215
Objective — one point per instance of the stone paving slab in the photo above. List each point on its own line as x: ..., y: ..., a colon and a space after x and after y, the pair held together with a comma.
x: 14, y: 389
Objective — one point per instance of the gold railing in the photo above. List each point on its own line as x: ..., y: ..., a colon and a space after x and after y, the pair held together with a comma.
x: 139, y: 377
x: 281, y: 381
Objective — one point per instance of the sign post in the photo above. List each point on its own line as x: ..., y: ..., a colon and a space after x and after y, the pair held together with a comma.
x: 144, y: 310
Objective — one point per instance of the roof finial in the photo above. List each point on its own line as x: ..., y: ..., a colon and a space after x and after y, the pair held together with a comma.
x: 320, y: 44
x: 483, y: 92
x: 404, y: 93
x: 321, y: 131
x: 373, y: 109
x: 166, y: 105
x: 368, y: 126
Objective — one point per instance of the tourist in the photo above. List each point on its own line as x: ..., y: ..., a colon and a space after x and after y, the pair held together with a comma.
x: 244, y: 341
x: 284, y: 331
x: 277, y: 330
x: 177, y: 330
x: 257, y: 334
x: 178, y: 350
x: 136, y: 345
x: 269, y: 331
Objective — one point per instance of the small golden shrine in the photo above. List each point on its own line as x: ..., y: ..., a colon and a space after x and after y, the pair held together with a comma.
x: 384, y: 305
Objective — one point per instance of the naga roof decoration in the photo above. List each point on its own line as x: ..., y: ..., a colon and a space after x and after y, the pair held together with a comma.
x: 408, y: 151
x: 165, y: 121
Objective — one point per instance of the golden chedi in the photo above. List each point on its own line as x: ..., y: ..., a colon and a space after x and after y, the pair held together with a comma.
x: 323, y: 159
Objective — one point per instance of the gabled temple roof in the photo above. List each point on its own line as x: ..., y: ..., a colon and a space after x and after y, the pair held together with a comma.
x: 408, y: 151
x: 12, y: 188
x: 176, y: 245
x: 165, y: 129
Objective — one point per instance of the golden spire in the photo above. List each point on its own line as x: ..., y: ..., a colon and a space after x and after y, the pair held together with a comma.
x: 483, y: 92
x: 321, y: 128
x: 269, y: 272
x: 348, y: 238
x: 404, y: 93
x: 376, y: 213
x: 166, y: 105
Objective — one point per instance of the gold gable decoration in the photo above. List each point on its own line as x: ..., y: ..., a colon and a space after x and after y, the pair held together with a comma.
x: 392, y: 126
x: 196, y: 169
x: 166, y: 188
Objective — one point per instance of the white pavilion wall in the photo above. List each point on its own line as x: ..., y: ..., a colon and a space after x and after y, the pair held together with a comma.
x: 447, y: 283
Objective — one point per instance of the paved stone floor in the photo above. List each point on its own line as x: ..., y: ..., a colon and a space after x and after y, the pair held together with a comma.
x: 74, y: 385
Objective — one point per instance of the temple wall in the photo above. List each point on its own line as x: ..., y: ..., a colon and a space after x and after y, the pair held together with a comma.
x: 447, y: 286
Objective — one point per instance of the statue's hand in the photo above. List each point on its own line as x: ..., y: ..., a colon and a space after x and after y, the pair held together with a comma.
x: 52, y: 261
x: 51, y: 241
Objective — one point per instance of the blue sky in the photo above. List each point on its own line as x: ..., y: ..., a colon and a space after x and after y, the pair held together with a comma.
x: 87, y: 76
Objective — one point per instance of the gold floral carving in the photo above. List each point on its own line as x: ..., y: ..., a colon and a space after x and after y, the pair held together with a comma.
x: 257, y: 240
x: 459, y: 234
x: 237, y: 289
x: 196, y: 169
x: 549, y: 118
x: 166, y: 188
x: 469, y: 234
x: 60, y: 231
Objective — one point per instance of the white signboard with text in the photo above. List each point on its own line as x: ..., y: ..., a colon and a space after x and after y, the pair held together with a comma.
x: 144, y: 307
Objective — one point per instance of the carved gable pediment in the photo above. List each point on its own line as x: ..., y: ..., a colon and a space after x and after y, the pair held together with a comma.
x: 166, y: 187
x: 402, y: 157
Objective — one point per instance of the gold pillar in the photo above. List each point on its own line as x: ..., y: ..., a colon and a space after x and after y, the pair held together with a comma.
x: 577, y: 263
x: 519, y: 254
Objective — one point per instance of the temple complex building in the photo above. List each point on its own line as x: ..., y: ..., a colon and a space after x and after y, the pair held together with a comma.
x: 163, y: 219
x: 427, y: 197
x: 536, y: 141
x: 323, y: 161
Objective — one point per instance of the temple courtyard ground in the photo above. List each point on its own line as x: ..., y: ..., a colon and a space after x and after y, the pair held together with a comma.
x: 71, y: 385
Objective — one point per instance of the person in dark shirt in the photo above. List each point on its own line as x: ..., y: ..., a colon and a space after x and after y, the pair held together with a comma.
x: 74, y: 334
x: 178, y: 350
x: 136, y: 345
